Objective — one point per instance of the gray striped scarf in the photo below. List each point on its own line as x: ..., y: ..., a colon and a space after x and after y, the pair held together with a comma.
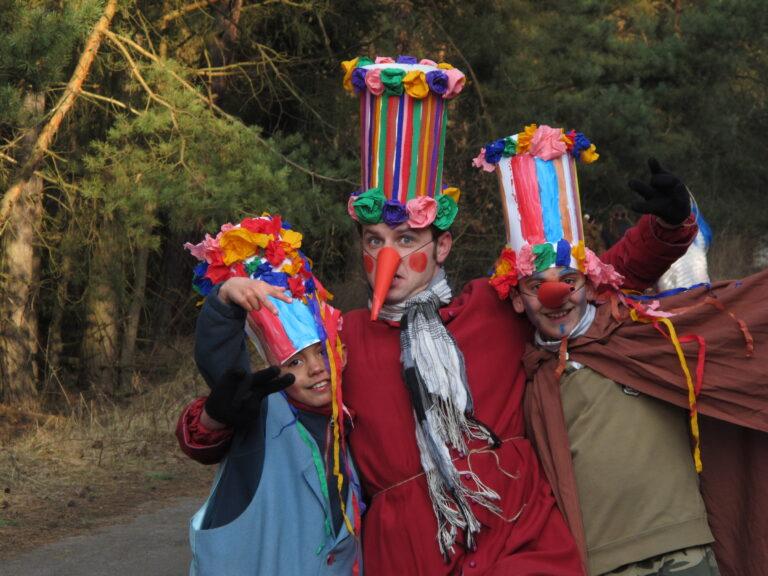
x: 434, y: 373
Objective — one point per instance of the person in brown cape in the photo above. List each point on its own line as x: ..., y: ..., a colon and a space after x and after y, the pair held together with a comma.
x: 611, y: 379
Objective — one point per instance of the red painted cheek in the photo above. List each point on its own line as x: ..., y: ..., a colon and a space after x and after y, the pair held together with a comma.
x: 368, y: 263
x: 417, y: 262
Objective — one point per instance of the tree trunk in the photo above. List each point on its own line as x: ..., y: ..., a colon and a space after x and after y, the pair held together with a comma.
x: 99, y: 358
x: 47, y: 134
x: 54, y: 346
x: 20, y: 274
x: 128, y: 353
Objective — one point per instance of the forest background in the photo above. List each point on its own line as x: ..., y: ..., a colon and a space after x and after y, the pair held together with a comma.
x: 130, y: 127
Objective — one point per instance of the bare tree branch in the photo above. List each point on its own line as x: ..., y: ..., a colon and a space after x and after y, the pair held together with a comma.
x: 184, y: 10
x: 61, y: 109
x: 141, y: 50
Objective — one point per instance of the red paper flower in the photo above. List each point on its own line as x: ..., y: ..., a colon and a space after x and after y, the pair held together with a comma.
x: 296, y: 286
x: 275, y: 253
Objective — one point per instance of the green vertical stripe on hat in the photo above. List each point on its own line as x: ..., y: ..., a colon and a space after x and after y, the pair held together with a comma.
x: 382, y: 141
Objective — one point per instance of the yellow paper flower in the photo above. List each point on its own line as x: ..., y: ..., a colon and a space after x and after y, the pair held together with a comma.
x: 444, y: 66
x: 293, y: 268
x: 452, y: 192
x: 504, y: 268
x: 590, y: 155
x: 524, y: 138
x: 415, y: 84
x: 291, y: 237
x: 239, y: 243
x: 580, y: 254
x: 349, y: 66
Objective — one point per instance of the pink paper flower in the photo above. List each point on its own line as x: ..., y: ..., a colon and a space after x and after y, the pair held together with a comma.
x: 226, y: 228
x: 428, y: 62
x: 351, y: 208
x: 205, y: 249
x: 456, y: 81
x: 421, y: 211
x: 480, y: 162
x: 384, y: 60
x: 600, y: 273
x: 373, y: 81
x: 547, y: 143
x: 526, y: 261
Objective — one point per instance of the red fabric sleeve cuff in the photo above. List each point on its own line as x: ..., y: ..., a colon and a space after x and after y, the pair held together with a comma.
x: 198, y: 442
x: 682, y: 234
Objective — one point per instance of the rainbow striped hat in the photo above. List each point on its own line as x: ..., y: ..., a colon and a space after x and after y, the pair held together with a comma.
x: 540, y: 195
x: 403, y: 118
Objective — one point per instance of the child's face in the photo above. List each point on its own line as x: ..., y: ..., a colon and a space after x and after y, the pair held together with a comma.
x: 312, y: 384
x: 553, y: 323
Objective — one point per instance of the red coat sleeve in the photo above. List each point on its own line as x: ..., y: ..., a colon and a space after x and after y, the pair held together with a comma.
x: 198, y: 442
x: 647, y: 249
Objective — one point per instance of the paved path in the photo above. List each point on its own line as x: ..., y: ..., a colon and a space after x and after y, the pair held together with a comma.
x: 151, y: 544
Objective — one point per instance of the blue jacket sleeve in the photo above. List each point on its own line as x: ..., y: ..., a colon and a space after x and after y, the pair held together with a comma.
x: 220, y: 340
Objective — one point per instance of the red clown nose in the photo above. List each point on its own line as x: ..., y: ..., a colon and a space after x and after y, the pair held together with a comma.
x: 553, y: 294
x: 386, y: 265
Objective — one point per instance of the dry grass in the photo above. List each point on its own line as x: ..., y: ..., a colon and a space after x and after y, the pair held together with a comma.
x: 65, y: 473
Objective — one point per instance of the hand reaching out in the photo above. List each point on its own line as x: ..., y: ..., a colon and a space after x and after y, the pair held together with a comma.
x: 251, y: 294
x: 236, y: 398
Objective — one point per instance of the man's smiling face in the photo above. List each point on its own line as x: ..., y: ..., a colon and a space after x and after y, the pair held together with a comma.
x: 553, y: 323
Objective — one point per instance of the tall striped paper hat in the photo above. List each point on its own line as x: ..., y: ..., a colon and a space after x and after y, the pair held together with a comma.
x: 539, y: 189
x: 403, y: 119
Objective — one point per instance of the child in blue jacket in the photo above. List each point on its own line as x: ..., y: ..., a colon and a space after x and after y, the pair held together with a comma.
x: 286, y: 499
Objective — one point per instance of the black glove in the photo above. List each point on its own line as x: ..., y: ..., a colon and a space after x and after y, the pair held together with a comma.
x: 666, y: 195
x: 236, y: 399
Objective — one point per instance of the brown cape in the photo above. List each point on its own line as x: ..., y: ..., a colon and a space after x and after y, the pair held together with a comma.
x: 732, y: 404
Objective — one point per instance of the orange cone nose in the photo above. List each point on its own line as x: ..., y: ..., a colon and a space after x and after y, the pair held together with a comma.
x: 553, y: 294
x: 386, y: 265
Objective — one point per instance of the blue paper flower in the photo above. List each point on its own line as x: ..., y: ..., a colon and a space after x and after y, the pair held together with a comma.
x: 358, y: 79
x: 261, y: 269
x: 494, y: 151
x: 275, y: 278
x: 580, y: 143
x: 407, y: 60
x: 437, y: 80
x: 394, y: 213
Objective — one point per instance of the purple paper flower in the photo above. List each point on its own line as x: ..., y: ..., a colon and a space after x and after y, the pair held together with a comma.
x: 437, y: 80
x: 407, y: 60
x: 358, y: 79
x: 394, y: 213
x: 494, y: 151
x: 580, y: 143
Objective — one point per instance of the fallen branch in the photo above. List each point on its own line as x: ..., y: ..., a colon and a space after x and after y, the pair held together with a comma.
x: 59, y: 112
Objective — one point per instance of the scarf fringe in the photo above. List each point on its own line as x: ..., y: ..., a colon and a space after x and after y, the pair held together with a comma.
x: 436, y: 378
